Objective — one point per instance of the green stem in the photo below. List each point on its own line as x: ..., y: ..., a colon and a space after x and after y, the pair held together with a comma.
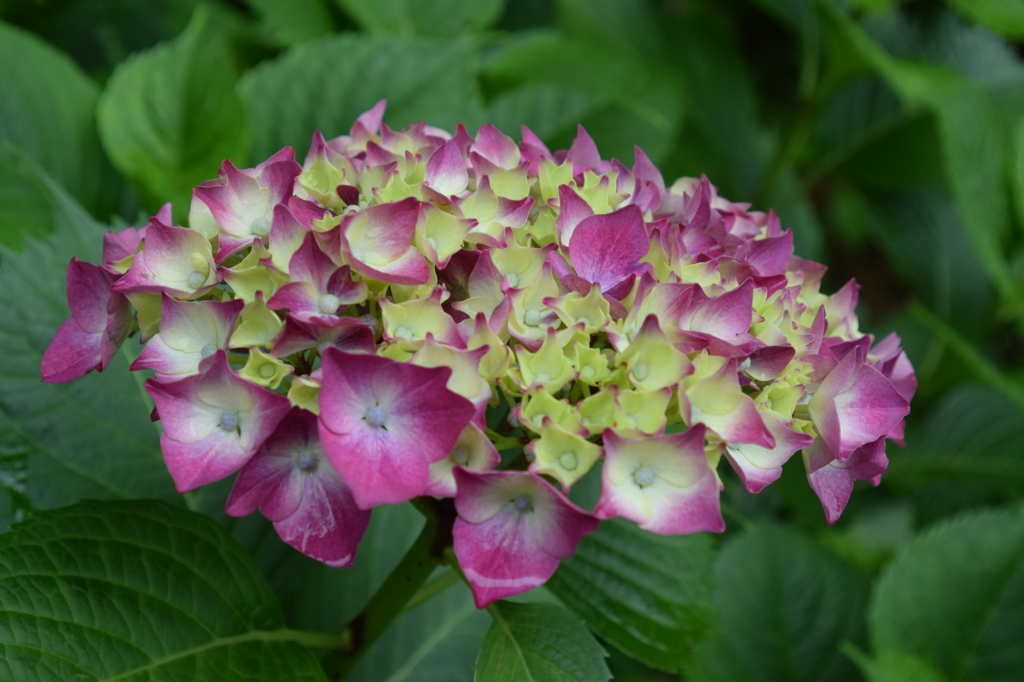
x: 400, y: 588
x: 432, y: 589
x: 317, y: 640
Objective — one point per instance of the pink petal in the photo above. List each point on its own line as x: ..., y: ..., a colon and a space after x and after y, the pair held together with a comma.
x: 446, y: 170
x: 518, y: 544
x: 607, y: 248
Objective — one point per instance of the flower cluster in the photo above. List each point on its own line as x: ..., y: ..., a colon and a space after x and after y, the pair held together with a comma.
x: 341, y: 332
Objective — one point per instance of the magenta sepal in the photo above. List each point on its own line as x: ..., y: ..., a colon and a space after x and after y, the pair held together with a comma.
x: 384, y: 422
x: 213, y: 422
x: 190, y: 333
x: 346, y: 333
x: 832, y: 480
x: 663, y: 483
x: 100, y: 322
x: 294, y: 485
x: 513, y: 529
x: 606, y: 249
x: 318, y: 287
x: 855, y: 405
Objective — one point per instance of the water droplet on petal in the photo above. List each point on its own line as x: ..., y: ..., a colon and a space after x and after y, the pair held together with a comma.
x: 522, y: 502
x: 208, y: 350
x: 196, y: 279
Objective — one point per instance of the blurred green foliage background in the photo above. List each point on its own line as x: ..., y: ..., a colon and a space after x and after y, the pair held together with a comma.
x: 889, y: 135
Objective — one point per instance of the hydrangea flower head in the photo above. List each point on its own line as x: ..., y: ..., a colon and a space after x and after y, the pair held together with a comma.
x: 375, y: 324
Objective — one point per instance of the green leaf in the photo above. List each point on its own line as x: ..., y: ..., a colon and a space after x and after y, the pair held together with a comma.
x: 649, y: 595
x: 138, y: 591
x: 435, y: 642
x: 326, y: 84
x: 89, y: 438
x: 642, y: 101
x: 896, y: 667
x: 970, y: 134
x: 24, y: 209
x: 424, y: 17
x: 538, y: 642
x: 169, y: 116
x: 549, y: 110
x: 295, y: 21
x: 786, y: 607
x: 1018, y: 170
x: 621, y: 25
x: 47, y: 110
x: 955, y: 598
x: 1005, y: 17
x: 927, y: 243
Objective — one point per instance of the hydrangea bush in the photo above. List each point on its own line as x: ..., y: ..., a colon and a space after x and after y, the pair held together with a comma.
x: 417, y: 315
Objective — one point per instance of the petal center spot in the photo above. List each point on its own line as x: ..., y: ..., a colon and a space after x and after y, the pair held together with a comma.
x: 229, y: 420
x: 307, y: 461
x: 376, y: 416
x: 329, y: 304
x: 643, y: 477
x: 522, y: 502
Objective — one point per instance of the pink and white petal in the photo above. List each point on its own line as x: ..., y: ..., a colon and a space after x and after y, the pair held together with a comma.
x: 184, y: 418
x: 607, y: 248
x: 347, y: 391
x: 376, y: 471
x: 558, y: 523
x: 501, y: 557
x: 204, y: 461
x: 446, y: 171
x: 327, y: 525
x: 72, y: 354
x: 268, y: 482
x: 423, y: 414
x: 88, y: 289
x: 758, y: 466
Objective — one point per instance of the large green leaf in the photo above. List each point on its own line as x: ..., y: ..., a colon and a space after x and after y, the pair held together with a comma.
x: 787, y: 605
x: 295, y: 21
x: 435, y: 642
x: 955, y: 598
x: 538, y: 642
x: 424, y: 17
x: 621, y: 25
x: 926, y: 242
x: 549, y: 110
x: 643, y: 104
x: 970, y: 135
x: 89, y: 438
x: 136, y: 591
x: 326, y: 84
x: 47, y: 110
x: 649, y: 595
x: 169, y: 116
x: 1005, y: 17
x: 973, y: 433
